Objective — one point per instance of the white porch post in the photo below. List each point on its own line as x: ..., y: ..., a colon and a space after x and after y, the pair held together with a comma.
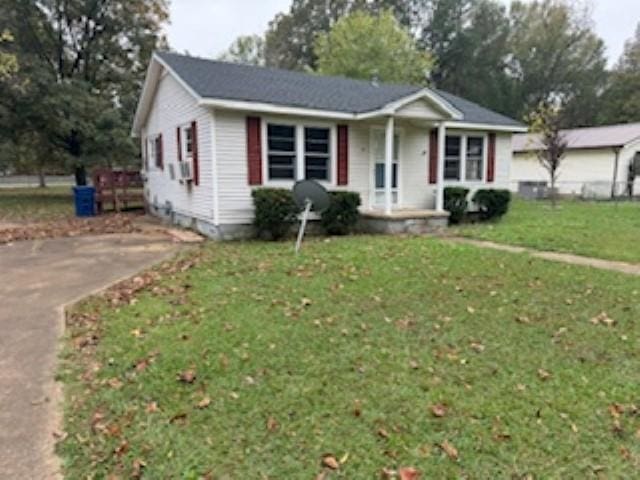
x: 388, y: 165
x: 442, y: 135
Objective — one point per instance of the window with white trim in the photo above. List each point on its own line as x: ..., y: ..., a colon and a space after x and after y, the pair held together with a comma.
x: 475, y: 158
x: 452, y: 157
x: 317, y: 156
x: 298, y: 151
x: 187, y: 133
x: 281, y: 152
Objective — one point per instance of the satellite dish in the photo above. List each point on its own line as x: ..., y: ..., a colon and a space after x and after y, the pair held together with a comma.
x: 310, y: 196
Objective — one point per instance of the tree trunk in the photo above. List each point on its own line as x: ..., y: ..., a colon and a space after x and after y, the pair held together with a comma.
x: 553, y: 190
x: 42, y: 182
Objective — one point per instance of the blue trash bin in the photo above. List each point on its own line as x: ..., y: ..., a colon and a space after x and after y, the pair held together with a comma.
x: 85, y: 201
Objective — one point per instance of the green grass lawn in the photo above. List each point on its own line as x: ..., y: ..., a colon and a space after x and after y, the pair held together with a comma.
x: 35, y: 204
x: 596, y: 229
x: 351, y: 350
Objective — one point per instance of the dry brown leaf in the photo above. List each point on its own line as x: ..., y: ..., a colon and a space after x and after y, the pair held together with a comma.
x: 188, y: 376
x: 438, y: 410
x: 408, y: 473
x: 449, y: 449
x: 414, y: 364
x: 329, y: 461
x: 204, y: 403
x: 152, y: 407
x: 138, y: 466
x: 543, y: 374
x: 122, y: 449
x: 382, y: 433
x: 357, y: 408
x: 115, y: 383
x: 272, y: 424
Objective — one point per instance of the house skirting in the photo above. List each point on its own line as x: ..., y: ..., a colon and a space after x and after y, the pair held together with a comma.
x: 403, y: 222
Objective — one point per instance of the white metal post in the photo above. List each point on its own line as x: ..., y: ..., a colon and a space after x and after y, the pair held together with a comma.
x: 442, y: 136
x: 388, y: 165
x: 303, y: 225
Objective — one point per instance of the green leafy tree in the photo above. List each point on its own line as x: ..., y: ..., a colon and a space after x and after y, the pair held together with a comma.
x: 469, y: 39
x: 555, y: 54
x: 246, y: 49
x: 621, y: 100
x: 82, y: 63
x: 364, y: 46
x: 290, y: 38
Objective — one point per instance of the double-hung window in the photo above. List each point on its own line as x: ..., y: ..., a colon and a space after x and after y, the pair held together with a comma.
x: 281, y: 146
x: 295, y: 151
x: 464, y: 158
x: 316, y: 153
x: 188, y: 142
x: 452, y: 158
x: 475, y: 158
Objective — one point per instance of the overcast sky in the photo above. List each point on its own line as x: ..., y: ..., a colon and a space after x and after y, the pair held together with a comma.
x: 207, y: 27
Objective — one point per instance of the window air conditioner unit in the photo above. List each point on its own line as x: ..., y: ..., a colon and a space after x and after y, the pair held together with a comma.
x: 186, y: 171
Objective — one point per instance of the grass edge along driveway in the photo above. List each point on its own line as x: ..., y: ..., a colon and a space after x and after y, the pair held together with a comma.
x: 381, y: 352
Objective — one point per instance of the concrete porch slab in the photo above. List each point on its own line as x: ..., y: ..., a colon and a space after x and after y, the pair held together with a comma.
x: 403, y: 221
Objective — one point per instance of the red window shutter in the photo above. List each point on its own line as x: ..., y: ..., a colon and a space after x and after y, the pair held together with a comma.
x: 160, y: 153
x: 343, y: 155
x: 196, y: 164
x: 433, y: 157
x: 491, y: 162
x: 254, y: 150
x: 179, y: 142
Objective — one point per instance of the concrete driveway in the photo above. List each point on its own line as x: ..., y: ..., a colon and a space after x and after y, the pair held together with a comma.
x: 36, y: 279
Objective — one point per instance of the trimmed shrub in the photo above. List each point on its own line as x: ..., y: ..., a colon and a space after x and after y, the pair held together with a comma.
x: 275, y: 212
x: 342, y: 214
x: 492, y: 203
x: 455, y: 202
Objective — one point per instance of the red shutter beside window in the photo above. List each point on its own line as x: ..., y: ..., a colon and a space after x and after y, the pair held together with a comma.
x: 433, y: 157
x: 343, y: 155
x: 196, y: 164
x: 179, y: 141
x: 254, y: 151
x: 491, y: 161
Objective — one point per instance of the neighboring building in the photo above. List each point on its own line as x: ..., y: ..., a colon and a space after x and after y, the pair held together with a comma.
x: 213, y: 131
x: 596, y: 165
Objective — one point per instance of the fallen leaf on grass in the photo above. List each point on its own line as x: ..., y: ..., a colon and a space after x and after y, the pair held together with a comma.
x: 603, y: 319
x: 438, y: 410
x: 414, y: 364
x: 357, y: 408
x: 115, y: 383
x: 543, y: 374
x: 382, y: 433
x: 188, y: 376
x: 272, y: 424
x: 330, y: 461
x: 122, y: 448
x: 138, y: 466
x: 408, y: 473
x: 204, y: 403
x: 449, y: 449
x: 152, y: 407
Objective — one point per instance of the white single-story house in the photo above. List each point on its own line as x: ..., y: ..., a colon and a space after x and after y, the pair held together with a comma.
x: 596, y: 165
x: 212, y: 132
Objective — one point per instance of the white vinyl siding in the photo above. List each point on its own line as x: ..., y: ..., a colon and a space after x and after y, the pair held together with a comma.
x: 171, y: 108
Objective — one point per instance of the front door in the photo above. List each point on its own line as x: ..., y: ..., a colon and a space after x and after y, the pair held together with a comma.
x: 378, y: 170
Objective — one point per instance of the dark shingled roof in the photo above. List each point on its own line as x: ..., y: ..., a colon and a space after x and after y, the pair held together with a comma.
x: 229, y: 81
